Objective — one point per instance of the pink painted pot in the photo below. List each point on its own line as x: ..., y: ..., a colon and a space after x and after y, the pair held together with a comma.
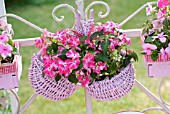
x: 159, y: 68
x: 10, y: 74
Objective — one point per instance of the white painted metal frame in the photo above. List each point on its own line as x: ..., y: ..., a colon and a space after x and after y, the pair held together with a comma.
x: 130, y: 33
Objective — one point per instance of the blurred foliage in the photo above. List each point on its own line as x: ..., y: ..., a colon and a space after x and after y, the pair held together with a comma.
x: 25, y: 2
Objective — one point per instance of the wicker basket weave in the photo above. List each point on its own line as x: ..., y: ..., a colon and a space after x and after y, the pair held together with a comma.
x: 115, y: 88
x: 46, y: 86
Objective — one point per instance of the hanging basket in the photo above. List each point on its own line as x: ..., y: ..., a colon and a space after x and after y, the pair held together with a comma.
x: 46, y: 86
x: 158, y: 68
x: 115, y: 88
x: 10, y: 74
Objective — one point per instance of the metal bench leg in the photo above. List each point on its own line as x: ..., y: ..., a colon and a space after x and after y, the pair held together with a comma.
x: 152, y: 96
x: 28, y: 103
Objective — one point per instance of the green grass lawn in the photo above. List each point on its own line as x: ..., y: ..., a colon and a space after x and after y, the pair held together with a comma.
x: 41, y: 16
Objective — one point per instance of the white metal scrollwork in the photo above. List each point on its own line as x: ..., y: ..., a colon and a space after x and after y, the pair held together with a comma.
x: 100, y: 14
x: 62, y: 17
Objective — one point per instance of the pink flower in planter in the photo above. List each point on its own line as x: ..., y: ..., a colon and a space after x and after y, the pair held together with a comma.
x: 3, y: 38
x: 39, y: 43
x: 72, y: 54
x: 158, y: 24
x: 161, y: 37
x: 80, y: 73
x: 147, y: 48
x: 114, y: 43
x: 100, y: 66
x: 167, y: 50
x: 63, y: 67
x: 91, y: 44
x: 88, y: 62
x: 161, y: 14
x: 109, y: 27
x: 124, y: 39
x: 2, y: 24
x: 73, y: 42
x: 60, y: 35
x: 163, y: 3
x: 8, y: 27
x: 163, y: 53
x: 5, y: 50
x: 84, y: 80
x: 49, y: 68
x: 73, y: 64
x: 149, y: 9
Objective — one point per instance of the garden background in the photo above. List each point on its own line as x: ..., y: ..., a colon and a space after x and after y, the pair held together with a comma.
x: 39, y: 13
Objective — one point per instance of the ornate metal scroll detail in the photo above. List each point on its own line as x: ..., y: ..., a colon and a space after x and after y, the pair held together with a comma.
x: 62, y: 17
x: 100, y: 14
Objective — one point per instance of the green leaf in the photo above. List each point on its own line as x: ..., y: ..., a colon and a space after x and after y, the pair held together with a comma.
x: 79, y: 67
x: 57, y: 78
x: 83, y: 38
x: 84, y: 47
x: 64, y: 51
x: 105, y: 45
x: 10, y: 42
x: 126, y: 62
x: 95, y: 34
x: 154, y: 55
x: 72, y: 78
x: 93, y: 75
x: 15, y: 51
x: 49, y: 50
x: 101, y: 57
x: 54, y: 47
x: 148, y: 39
x: 134, y: 56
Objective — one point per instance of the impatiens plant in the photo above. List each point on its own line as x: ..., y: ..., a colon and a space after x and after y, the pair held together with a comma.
x: 85, y: 58
x: 7, y: 47
x: 156, y: 30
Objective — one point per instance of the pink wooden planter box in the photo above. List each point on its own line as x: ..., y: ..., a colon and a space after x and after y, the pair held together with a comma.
x: 159, y: 68
x: 10, y: 74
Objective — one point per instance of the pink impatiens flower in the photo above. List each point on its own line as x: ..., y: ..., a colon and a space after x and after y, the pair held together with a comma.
x: 163, y: 53
x: 158, y: 24
x: 63, y: 67
x: 147, y: 48
x: 72, y: 54
x: 5, y: 50
x: 149, y: 9
x: 108, y: 27
x: 163, y: 3
x: 88, y: 62
x: 162, y: 37
x: 3, y: 38
x: 73, y: 42
x: 73, y: 64
x: 167, y: 50
x: 50, y: 68
x: 100, y: 66
x: 39, y: 43
x: 60, y: 35
x: 84, y: 80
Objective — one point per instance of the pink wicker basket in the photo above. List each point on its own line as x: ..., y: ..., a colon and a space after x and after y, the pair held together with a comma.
x: 115, y: 88
x: 46, y: 86
x: 10, y: 74
x: 159, y: 68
